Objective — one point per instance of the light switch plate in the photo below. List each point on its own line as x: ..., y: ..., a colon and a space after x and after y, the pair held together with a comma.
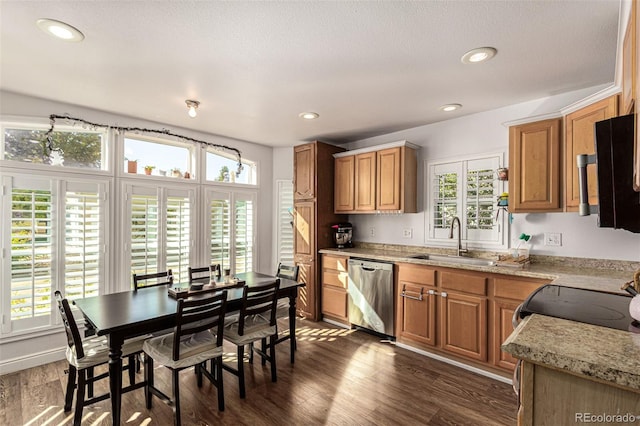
x: 407, y: 233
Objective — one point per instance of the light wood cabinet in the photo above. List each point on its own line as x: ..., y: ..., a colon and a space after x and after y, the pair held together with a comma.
x: 463, y: 318
x: 396, y: 180
x: 344, y: 184
x: 459, y: 312
x: 416, y: 304
x: 535, y: 163
x: 313, y: 216
x: 304, y: 172
x: 579, y: 139
x: 508, y: 293
x: 335, y: 282
x: 629, y: 63
x: 375, y: 181
x: 635, y: 16
x: 365, y: 182
x: 552, y: 397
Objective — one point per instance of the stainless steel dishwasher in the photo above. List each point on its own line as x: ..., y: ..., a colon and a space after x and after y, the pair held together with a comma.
x: 371, y: 295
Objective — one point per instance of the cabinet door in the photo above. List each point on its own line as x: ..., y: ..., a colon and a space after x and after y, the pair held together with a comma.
x: 304, y: 171
x: 580, y: 140
x: 304, y: 229
x: 463, y: 325
x: 344, y: 184
x: 365, y: 182
x: 502, y: 316
x: 415, y: 307
x: 307, y: 296
x: 534, y: 158
x: 388, y: 179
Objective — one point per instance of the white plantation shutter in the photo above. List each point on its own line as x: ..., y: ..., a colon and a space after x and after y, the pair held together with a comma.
x: 244, y: 206
x: 83, y: 254
x: 55, y: 243
x: 178, y: 236
x: 284, y: 225
x: 160, y: 230
x: 32, y: 245
x: 220, y: 228
x: 231, y: 229
x: 467, y: 189
x: 144, y: 237
x: 446, y: 197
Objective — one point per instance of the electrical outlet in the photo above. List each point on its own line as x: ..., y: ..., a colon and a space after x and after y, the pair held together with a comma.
x: 372, y: 231
x: 552, y: 239
x: 407, y: 233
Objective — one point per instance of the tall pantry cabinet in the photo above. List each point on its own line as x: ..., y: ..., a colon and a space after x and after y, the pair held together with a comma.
x: 313, y: 174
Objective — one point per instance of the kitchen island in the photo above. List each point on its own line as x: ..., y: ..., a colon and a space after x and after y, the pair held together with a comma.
x: 576, y: 373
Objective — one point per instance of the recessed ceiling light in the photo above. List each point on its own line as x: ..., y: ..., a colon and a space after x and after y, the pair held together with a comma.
x: 309, y: 115
x: 450, y: 107
x: 60, y: 30
x: 480, y: 54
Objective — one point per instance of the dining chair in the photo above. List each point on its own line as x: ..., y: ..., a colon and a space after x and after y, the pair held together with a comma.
x: 84, y: 355
x: 152, y: 280
x: 204, y: 272
x: 289, y: 272
x: 197, y: 338
x: 255, y: 321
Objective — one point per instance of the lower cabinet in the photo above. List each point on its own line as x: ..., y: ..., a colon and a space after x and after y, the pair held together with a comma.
x: 464, y: 313
x: 335, y: 281
x: 306, y: 302
x: 549, y: 396
x: 416, y: 304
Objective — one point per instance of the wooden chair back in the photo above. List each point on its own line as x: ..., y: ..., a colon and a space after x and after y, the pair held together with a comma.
x: 197, y: 315
x: 70, y: 327
x: 288, y: 271
x: 259, y: 300
x: 204, y: 272
x: 152, y: 280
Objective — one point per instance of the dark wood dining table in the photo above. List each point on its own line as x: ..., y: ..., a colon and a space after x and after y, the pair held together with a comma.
x: 120, y: 316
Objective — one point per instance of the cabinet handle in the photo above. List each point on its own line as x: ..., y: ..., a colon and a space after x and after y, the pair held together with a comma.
x: 431, y: 292
x: 404, y: 294
x: 443, y: 294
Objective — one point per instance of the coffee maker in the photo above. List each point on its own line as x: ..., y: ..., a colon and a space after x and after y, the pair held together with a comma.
x: 342, y: 234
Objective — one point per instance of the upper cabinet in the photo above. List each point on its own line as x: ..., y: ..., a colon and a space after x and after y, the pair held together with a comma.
x: 579, y: 139
x: 377, y: 179
x: 304, y: 172
x: 534, y: 159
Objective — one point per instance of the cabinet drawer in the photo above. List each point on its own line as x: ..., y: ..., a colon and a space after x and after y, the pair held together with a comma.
x: 515, y: 289
x: 417, y: 274
x: 334, y: 262
x: 335, y: 278
x: 465, y: 283
x: 334, y: 302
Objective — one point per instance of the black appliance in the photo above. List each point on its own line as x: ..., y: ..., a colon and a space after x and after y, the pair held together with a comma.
x: 582, y: 305
x: 342, y: 235
x: 618, y: 204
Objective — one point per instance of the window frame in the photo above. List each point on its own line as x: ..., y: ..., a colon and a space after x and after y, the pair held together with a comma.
x: 39, y: 124
x: 435, y: 236
x: 229, y: 156
x: 193, y: 165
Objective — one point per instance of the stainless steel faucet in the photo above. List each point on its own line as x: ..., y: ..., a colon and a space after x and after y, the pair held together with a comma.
x: 453, y: 221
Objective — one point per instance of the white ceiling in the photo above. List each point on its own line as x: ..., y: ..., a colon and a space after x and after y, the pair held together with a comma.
x: 367, y: 67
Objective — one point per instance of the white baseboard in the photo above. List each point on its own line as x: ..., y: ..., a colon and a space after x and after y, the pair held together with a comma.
x: 32, y: 360
x: 457, y: 364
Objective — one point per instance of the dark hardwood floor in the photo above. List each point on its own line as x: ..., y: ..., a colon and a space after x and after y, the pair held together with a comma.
x: 341, y: 377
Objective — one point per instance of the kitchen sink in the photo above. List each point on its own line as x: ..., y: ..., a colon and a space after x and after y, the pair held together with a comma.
x: 454, y: 259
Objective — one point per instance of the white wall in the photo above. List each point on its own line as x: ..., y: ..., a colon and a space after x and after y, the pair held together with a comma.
x: 485, y: 132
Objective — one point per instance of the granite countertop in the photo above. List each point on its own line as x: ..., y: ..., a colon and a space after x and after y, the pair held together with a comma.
x: 591, y: 274
x: 577, y: 348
